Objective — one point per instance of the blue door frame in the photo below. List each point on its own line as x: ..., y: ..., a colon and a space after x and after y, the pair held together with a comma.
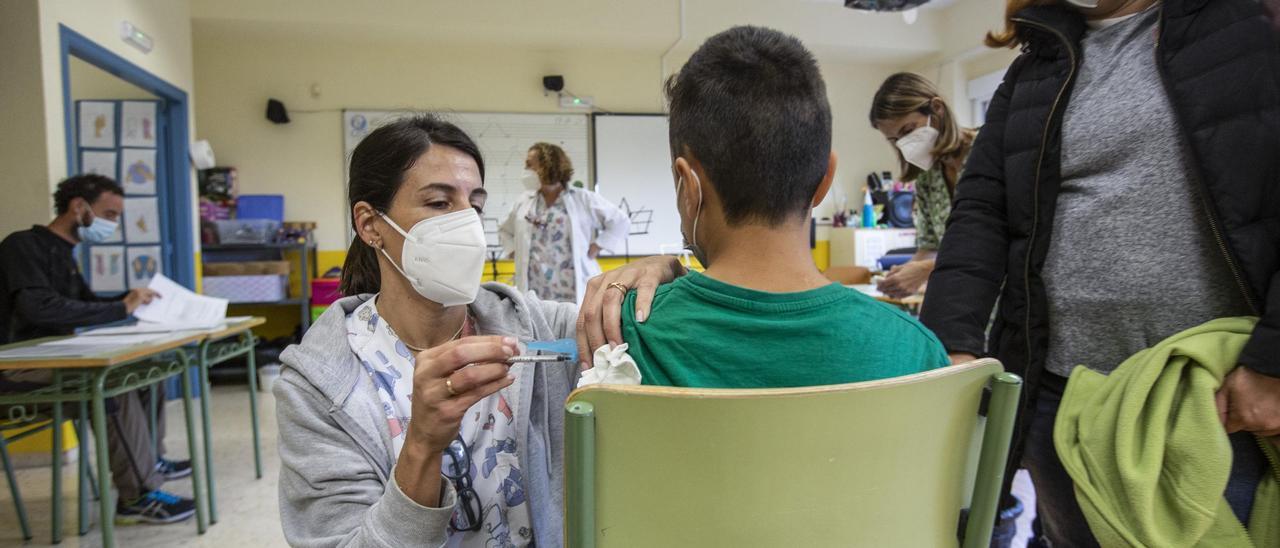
x: 173, y: 151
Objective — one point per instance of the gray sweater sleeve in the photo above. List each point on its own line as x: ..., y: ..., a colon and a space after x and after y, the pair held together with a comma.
x: 562, y: 320
x: 330, y: 493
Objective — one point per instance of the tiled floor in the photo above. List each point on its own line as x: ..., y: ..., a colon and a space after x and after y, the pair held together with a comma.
x: 248, y: 513
x: 247, y: 508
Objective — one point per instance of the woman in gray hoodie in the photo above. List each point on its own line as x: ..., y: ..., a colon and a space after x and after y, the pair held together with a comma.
x: 400, y: 422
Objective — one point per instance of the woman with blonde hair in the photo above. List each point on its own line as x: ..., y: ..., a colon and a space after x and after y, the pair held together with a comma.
x: 932, y: 148
x: 556, y: 231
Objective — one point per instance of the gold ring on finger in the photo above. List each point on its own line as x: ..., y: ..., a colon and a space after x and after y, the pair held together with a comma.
x: 615, y: 285
x: 448, y: 385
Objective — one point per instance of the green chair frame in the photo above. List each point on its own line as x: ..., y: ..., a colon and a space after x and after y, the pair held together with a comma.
x: 86, y: 481
x: 909, y: 461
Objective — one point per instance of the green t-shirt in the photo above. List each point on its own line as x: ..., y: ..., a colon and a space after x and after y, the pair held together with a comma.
x: 705, y: 333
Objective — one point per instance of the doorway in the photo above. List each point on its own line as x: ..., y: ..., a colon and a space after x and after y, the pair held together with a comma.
x: 126, y: 123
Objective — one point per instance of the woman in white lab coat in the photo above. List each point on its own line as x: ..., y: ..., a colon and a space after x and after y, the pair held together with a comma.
x: 556, y: 231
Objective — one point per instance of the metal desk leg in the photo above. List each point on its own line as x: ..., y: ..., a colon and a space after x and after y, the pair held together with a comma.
x: 253, y: 401
x: 106, y: 514
x: 205, y: 418
x: 189, y: 411
x: 56, y: 518
x: 82, y: 498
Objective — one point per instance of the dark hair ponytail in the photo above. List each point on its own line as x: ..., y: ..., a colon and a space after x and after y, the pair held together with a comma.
x: 377, y: 170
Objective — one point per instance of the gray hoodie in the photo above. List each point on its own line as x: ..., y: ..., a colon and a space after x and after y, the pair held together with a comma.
x: 337, y: 485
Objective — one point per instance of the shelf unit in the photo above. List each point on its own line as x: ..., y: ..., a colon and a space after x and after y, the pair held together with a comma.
x: 306, y: 261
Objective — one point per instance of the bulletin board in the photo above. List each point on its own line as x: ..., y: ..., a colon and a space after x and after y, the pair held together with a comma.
x: 118, y: 139
x: 504, y: 140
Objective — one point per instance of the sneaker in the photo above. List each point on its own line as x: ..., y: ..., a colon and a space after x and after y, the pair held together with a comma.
x: 174, y: 469
x: 155, y: 507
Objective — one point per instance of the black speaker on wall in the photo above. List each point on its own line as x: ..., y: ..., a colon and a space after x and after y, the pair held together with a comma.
x: 276, y: 112
x: 553, y: 83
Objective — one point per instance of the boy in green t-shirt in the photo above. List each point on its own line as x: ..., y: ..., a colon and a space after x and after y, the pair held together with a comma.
x: 750, y: 131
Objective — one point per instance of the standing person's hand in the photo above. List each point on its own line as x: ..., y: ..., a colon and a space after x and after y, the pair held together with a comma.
x: 1249, y: 402
x: 905, y: 279
x: 593, y: 251
x: 138, y: 297
x: 447, y: 380
x: 600, y: 317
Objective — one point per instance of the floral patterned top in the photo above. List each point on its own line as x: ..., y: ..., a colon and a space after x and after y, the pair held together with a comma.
x: 932, y: 208
x: 551, y: 274
x: 492, y: 491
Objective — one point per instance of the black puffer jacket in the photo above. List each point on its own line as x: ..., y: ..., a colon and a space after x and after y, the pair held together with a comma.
x: 1220, y: 62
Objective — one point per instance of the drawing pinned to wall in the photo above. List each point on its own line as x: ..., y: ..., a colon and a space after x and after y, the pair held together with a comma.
x: 141, y: 221
x: 98, y: 162
x: 98, y: 124
x: 106, y: 268
x: 138, y: 124
x: 144, y: 263
x: 138, y: 170
x: 358, y: 126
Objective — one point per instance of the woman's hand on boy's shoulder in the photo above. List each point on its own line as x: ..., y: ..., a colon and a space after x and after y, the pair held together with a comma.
x: 600, y: 316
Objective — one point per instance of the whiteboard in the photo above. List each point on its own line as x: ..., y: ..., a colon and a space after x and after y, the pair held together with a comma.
x: 504, y: 140
x: 633, y: 170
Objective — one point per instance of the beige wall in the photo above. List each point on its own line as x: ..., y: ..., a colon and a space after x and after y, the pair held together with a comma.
x: 236, y: 71
x: 167, y: 21
x: 22, y: 152
x: 31, y: 88
x: 90, y: 82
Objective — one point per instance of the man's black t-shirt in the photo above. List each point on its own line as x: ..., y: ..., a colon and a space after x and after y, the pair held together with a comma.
x: 42, y: 293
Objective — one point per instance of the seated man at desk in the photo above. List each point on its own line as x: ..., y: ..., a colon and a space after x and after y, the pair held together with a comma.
x: 751, y: 139
x: 42, y: 294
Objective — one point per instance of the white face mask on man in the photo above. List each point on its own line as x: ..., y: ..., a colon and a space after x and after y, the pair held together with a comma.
x: 917, y: 146
x: 443, y: 257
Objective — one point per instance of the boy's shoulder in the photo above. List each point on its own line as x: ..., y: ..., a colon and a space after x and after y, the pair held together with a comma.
x: 661, y: 295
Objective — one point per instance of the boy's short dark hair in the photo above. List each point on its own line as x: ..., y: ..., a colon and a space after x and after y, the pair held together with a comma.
x: 752, y: 107
x: 88, y: 186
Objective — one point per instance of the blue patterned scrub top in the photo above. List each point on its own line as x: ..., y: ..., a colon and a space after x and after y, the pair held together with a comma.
x: 551, y: 272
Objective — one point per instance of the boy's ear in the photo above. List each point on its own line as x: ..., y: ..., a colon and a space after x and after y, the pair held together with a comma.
x: 825, y: 186
x: 684, y: 170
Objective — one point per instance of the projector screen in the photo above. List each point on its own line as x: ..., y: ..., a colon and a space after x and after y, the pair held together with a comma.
x: 633, y: 170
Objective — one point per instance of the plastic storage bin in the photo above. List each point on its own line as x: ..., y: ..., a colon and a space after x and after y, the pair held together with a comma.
x: 247, y: 231
x: 247, y: 289
x: 260, y: 206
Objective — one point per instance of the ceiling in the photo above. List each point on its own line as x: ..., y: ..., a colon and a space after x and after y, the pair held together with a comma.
x: 828, y: 28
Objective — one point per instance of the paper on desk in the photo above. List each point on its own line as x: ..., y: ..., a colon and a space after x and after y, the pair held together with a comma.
x: 107, y: 340
x: 42, y: 351
x: 179, y: 306
x: 156, y: 327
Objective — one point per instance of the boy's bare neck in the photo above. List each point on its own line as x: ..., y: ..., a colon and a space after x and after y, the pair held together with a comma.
x: 776, y: 260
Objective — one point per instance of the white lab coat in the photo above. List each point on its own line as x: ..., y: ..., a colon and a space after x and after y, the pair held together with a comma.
x: 593, y: 219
